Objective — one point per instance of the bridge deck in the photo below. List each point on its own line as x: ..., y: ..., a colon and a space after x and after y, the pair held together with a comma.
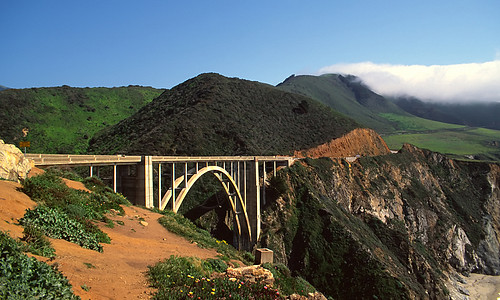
x: 242, y: 178
x: 82, y: 160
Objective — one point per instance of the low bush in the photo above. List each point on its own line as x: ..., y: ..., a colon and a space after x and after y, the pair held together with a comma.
x: 56, y: 224
x: 49, y: 189
x: 215, y: 265
x: 189, y: 278
x: 22, y: 277
x: 67, y: 213
x: 288, y: 284
x: 36, y: 242
x: 177, y: 224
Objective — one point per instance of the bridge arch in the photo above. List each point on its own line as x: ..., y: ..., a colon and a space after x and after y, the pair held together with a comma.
x: 238, y: 207
x: 134, y: 177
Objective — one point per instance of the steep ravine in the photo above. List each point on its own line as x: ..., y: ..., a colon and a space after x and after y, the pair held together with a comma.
x: 405, y: 225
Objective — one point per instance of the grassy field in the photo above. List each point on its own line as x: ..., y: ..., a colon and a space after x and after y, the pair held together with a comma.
x: 483, y: 144
x: 456, y: 141
x: 412, y: 123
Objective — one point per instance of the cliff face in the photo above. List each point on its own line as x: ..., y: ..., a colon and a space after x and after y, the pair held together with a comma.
x: 399, y: 225
x: 361, y: 141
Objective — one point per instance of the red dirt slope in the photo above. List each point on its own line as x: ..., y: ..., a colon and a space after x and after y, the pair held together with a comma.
x: 118, y: 272
x: 361, y: 141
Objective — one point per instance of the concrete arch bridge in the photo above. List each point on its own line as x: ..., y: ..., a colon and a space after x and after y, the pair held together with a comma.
x: 164, y: 181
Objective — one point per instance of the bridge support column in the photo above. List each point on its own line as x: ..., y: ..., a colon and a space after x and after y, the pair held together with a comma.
x: 144, y: 183
x: 253, y: 199
x: 137, y: 186
x: 115, y: 186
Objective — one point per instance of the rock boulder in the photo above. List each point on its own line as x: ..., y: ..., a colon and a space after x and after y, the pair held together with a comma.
x: 250, y: 274
x: 13, y: 165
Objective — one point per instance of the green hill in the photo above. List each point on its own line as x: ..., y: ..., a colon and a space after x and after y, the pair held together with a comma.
x: 63, y: 119
x: 3, y: 88
x: 422, y: 124
x: 484, y: 115
x: 348, y: 95
x: 214, y: 115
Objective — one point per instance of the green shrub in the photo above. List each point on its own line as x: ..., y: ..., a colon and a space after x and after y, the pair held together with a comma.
x: 56, y: 224
x: 71, y: 211
x: 215, y: 265
x: 65, y: 173
x: 37, y: 242
x: 179, y: 225
x: 49, y: 189
x: 188, y: 277
x: 288, y: 284
x: 22, y: 277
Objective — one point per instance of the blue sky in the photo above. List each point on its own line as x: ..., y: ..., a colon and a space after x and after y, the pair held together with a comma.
x: 163, y: 43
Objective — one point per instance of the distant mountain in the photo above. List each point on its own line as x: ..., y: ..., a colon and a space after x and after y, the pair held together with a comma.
x: 3, y: 88
x: 215, y: 115
x: 348, y: 95
x: 471, y: 114
x: 63, y: 119
x: 426, y: 125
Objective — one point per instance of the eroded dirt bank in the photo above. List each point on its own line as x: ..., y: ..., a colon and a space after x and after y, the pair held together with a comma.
x: 361, y: 141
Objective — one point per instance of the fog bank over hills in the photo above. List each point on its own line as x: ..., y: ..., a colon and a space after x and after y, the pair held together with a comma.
x: 460, y: 83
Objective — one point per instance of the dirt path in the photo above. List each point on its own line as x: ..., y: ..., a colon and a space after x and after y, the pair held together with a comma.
x: 118, y: 272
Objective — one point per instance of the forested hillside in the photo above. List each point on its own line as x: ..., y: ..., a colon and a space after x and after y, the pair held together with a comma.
x: 63, y: 119
x: 215, y: 115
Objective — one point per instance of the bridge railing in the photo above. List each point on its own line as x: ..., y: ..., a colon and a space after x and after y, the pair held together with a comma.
x: 82, y: 160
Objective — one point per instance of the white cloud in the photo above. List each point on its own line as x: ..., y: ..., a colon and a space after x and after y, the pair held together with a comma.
x: 457, y: 83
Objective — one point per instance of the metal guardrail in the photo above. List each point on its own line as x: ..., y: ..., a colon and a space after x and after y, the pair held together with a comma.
x: 219, y: 158
x: 75, y: 159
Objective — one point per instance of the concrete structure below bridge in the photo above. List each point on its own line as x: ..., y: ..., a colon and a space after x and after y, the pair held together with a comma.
x: 164, y: 181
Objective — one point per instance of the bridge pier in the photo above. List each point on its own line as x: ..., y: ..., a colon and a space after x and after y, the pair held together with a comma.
x: 252, y: 197
x: 136, y: 182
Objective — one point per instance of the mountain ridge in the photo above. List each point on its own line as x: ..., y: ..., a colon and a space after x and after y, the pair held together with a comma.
x: 215, y: 115
x: 481, y: 114
x: 346, y: 94
x: 350, y: 96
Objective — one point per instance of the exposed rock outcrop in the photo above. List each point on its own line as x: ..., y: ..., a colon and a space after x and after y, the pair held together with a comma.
x: 361, y: 141
x: 13, y: 165
x: 250, y: 274
x: 407, y: 219
x: 460, y: 252
x: 310, y: 296
x: 257, y: 273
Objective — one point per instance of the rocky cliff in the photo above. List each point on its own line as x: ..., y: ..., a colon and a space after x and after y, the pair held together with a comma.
x: 405, y: 225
